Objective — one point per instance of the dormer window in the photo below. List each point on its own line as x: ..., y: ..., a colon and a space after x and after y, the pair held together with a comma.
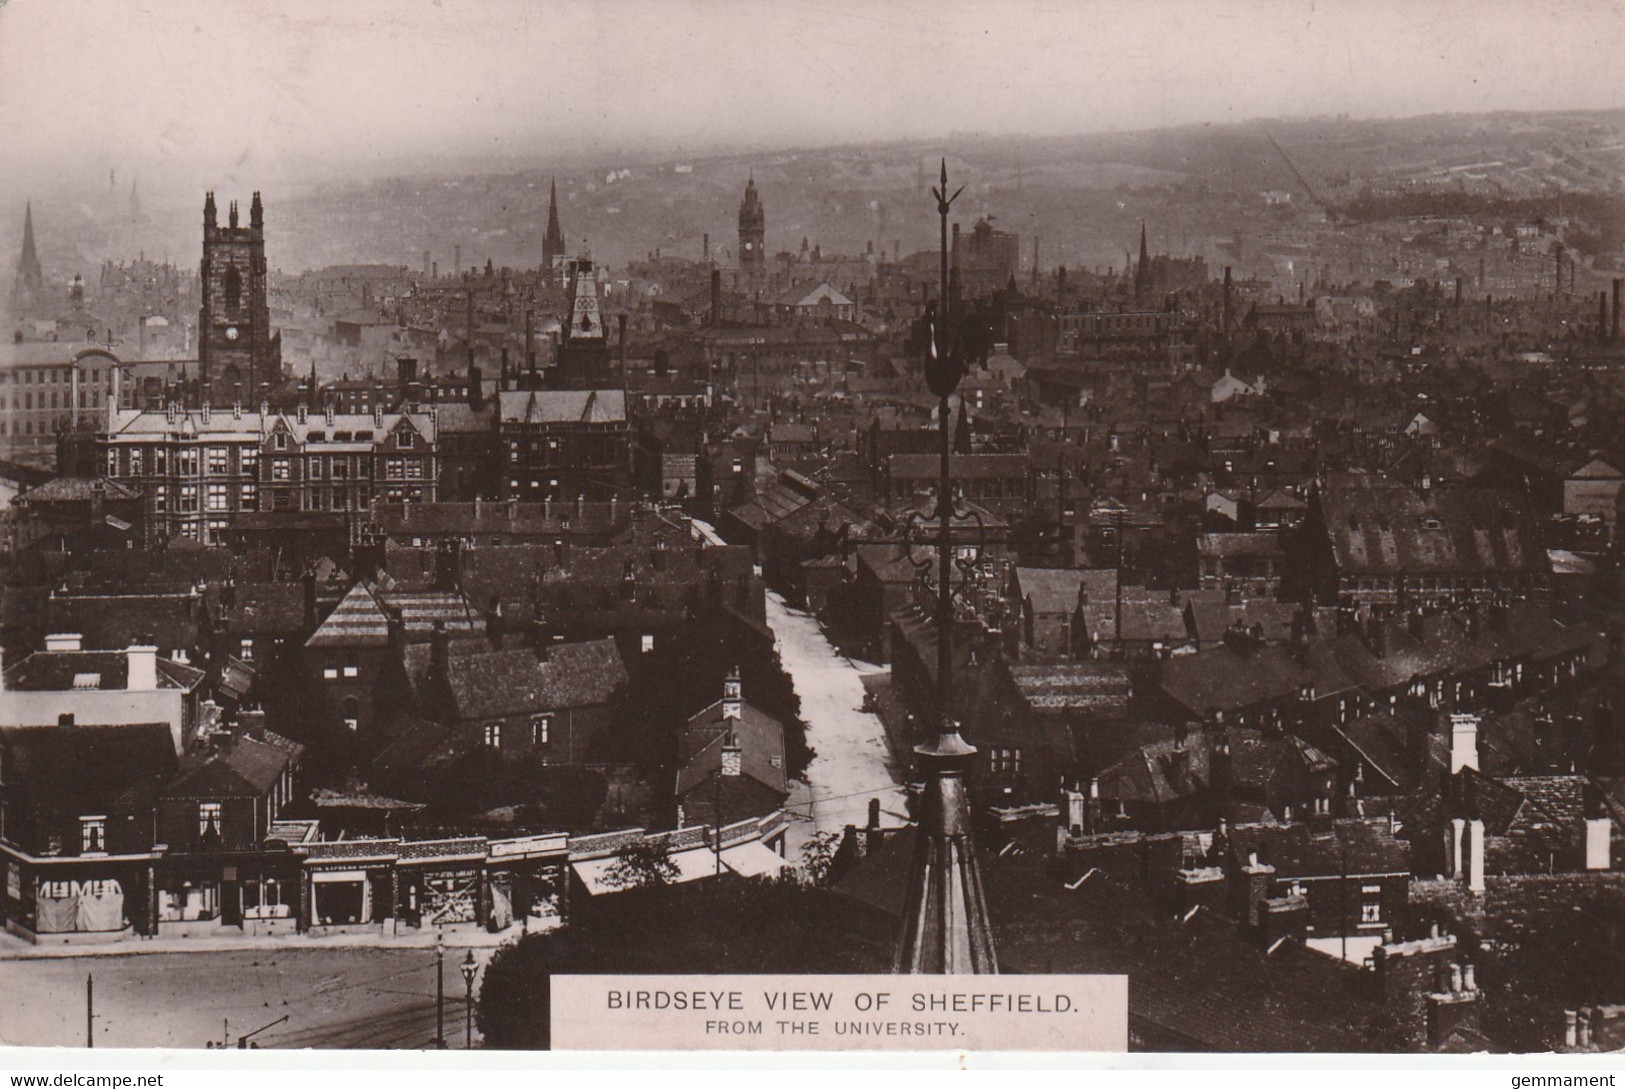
x: 403, y: 440
x: 279, y: 441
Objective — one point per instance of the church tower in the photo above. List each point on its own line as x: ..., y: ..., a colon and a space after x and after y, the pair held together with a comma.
x: 553, y: 240
x: 30, y: 281
x: 239, y: 358
x: 752, y: 236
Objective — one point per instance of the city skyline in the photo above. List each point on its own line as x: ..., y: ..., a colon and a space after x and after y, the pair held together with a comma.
x: 378, y: 86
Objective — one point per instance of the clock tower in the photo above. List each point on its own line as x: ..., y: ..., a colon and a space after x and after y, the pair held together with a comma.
x: 239, y: 358
x: 752, y: 238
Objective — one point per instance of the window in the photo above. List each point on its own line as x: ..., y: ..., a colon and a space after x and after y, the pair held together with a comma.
x: 186, y: 462
x: 135, y: 462
x: 218, y: 459
x: 648, y: 643
x: 160, y: 497
x: 188, y: 497
x: 208, y: 819
x: 330, y: 673
x: 249, y: 460
x: 318, y: 468
x: 1371, y: 911
x: 217, y: 497
x: 160, y: 461
x: 281, y: 469
x: 92, y: 835
x: 394, y: 468
x: 245, y: 650
x: 352, y: 667
x: 340, y: 468
x: 251, y: 496
x: 112, y: 463
x: 493, y: 735
x: 414, y: 468
x: 279, y: 441
x: 540, y: 727
x: 1004, y: 762
x: 403, y: 440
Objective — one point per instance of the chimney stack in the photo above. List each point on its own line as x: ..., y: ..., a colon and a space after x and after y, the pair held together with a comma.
x: 1475, y: 855
x: 439, y: 649
x: 1463, y: 743
x: 142, y: 662
x: 732, y: 696
x: 716, y: 298
x: 1613, y: 325
x: 61, y: 642
x: 1599, y: 832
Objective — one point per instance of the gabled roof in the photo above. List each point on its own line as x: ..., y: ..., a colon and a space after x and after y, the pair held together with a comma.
x: 79, y: 489
x: 361, y: 619
x: 233, y: 766
x: 104, y: 670
x: 761, y: 744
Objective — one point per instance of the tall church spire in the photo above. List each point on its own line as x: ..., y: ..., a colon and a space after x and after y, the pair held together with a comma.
x: 1142, y: 272
x: 30, y: 281
x: 752, y: 236
x: 553, y: 240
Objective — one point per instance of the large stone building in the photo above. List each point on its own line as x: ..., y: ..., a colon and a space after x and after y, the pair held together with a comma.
x: 752, y: 239
x: 199, y: 468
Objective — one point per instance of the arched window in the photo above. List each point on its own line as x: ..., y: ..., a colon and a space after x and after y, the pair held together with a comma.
x: 234, y: 287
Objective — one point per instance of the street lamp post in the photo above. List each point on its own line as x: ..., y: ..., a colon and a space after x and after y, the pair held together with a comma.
x: 469, y: 970
x: 440, y: 990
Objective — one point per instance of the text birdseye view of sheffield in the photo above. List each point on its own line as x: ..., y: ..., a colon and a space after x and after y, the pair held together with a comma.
x: 551, y: 524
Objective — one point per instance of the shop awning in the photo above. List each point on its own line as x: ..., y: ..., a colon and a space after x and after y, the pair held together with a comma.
x: 754, y: 860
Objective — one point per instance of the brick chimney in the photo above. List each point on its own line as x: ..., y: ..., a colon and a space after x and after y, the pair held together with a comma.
x: 1475, y: 855
x: 1463, y: 742
x: 1598, y: 835
x: 1454, y: 1005
x: 1251, y: 885
x: 142, y: 661
x: 732, y: 696
x: 439, y: 649
x: 62, y: 641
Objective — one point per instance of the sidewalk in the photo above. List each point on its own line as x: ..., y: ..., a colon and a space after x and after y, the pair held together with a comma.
x: 460, y: 936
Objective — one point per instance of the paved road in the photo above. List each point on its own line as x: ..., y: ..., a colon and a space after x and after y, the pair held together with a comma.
x: 333, y: 998
x: 850, y: 762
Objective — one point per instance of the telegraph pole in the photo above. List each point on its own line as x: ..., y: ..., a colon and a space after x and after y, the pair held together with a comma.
x: 90, y: 1010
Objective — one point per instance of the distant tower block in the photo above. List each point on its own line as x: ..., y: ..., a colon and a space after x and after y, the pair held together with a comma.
x: 752, y: 237
x: 236, y: 347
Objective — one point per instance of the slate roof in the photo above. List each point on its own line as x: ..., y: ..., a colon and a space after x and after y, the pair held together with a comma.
x: 235, y: 765
x: 78, y: 489
x: 360, y: 619
x: 562, y: 406
x: 1228, y: 545
x: 1100, y: 688
x: 1055, y: 590
x: 1353, y: 847
x: 65, y: 670
x: 88, y: 769
x: 1378, y: 527
x: 491, y: 683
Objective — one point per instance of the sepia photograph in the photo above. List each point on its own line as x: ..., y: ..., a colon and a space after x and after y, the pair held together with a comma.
x: 707, y: 525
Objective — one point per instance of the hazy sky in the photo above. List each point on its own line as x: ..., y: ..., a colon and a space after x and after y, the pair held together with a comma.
x: 199, y: 84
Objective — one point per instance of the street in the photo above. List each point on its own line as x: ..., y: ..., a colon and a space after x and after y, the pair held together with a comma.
x: 850, y: 763
x: 333, y: 998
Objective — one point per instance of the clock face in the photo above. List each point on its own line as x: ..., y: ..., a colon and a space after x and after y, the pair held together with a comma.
x: 231, y: 332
